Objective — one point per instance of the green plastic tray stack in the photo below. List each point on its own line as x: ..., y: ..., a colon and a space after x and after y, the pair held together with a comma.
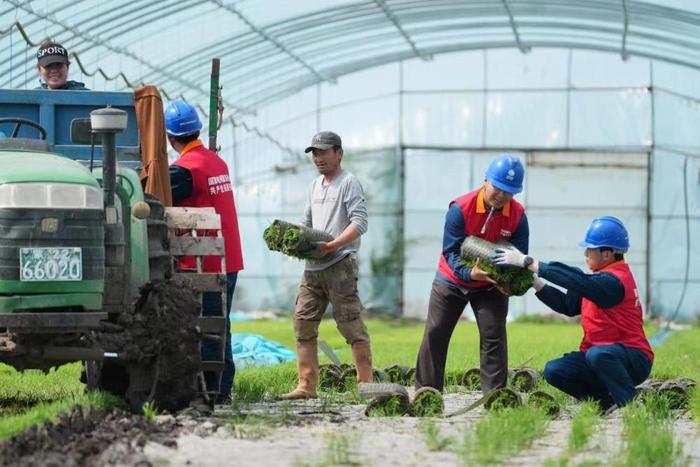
x: 297, y: 241
x: 515, y: 280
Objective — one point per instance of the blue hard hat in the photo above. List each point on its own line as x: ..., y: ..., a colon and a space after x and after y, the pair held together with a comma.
x: 506, y: 173
x: 181, y: 119
x: 607, y: 231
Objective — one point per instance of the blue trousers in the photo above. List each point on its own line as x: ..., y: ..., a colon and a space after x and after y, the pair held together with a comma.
x: 605, y: 373
x: 211, y: 306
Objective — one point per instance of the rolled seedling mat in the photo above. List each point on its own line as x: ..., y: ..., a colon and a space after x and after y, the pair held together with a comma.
x: 380, y: 376
x: 346, y: 366
x: 349, y: 379
x: 409, y: 377
x: 294, y: 240
x: 393, y: 405
x: 330, y: 377
x: 274, y: 234
x: 372, y: 390
x: 524, y: 379
x: 427, y: 402
x: 503, y: 398
x: 515, y: 280
x: 396, y: 373
x: 545, y: 401
x: 302, y: 242
x: 676, y: 391
x: 511, y: 373
x: 471, y: 379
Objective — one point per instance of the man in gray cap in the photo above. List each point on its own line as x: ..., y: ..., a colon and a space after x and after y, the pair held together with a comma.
x: 336, y: 205
x: 52, y: 64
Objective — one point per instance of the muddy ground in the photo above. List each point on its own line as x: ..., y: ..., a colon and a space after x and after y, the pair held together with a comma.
x: 311, y: 433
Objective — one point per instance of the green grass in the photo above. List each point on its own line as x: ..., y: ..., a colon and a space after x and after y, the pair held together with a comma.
x: 13, y: 424
x: 397, y: 342
x: 434, y: 440
x: 583, y: 426
x: 503, y: 433
x: 648, y: 436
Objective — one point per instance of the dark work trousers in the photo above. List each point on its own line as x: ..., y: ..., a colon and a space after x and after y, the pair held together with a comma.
x: 604, y: 373
x: 447, y: 302
x: 211, y: 306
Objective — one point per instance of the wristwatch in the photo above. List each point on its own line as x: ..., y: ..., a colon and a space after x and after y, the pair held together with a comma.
x: 527, y: 261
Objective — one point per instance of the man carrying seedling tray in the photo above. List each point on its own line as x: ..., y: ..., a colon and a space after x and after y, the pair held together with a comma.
x: 336, y: 205
x: 491, y: 213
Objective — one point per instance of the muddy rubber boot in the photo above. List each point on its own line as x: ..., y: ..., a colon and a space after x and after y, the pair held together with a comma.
x: 362, y: 356
x: 307, y: 366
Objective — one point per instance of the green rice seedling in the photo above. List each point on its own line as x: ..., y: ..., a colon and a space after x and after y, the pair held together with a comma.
x: 648, y: 435
x: 471, y: 379
x: 409, y: 377
x: 544, y: 401
x: 395, y: 373
x: 583, y: 426
x: 149, y: 410
x: 427, y: 402
x: 338, y: 449
x: 379, y: 376
x: 13, y: 424
x: 516, y: 281
x: 434, y: 441
x: 264, y: 383
x: 273, y: 237
x: 503, y: 398
x: 349, y: 379
x: 503, y: 433
x: 391, y: 405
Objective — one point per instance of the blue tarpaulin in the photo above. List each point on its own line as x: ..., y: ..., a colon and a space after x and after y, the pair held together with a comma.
x: 256, y: 350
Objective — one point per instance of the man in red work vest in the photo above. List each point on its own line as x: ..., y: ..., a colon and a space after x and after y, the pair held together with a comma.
x: 200, y: 178
x: 614, y: 355
x: 489, y: 212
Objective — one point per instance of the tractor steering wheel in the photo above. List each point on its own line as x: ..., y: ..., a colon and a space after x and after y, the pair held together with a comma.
x: 23, y: 121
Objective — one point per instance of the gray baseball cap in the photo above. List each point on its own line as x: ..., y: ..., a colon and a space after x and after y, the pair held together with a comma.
x: 324, y: 140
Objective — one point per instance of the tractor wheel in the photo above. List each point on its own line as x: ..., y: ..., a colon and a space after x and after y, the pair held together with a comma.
x: 157, y: 338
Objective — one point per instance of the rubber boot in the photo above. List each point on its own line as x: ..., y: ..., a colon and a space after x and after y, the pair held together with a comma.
x: 307, y: 365
x: 362, y: 356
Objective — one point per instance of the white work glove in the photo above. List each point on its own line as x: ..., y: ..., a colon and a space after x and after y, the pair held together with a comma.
x: 509, y: 256
x: 538, y: 284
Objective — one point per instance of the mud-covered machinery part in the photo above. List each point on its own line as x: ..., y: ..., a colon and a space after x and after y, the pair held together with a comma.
x: 160, y: 261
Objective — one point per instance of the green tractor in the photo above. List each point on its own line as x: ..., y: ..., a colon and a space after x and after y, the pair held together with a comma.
x: 87, y: 265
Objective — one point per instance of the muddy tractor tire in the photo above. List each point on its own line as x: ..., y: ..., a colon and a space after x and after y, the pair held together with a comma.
x: 156, y: 338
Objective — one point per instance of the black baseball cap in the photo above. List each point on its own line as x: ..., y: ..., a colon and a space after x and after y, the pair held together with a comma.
x: 324, y: 140
x: 51, y: 52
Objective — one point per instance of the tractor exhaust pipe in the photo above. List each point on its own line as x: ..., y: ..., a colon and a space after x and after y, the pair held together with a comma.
x: 108, y: 122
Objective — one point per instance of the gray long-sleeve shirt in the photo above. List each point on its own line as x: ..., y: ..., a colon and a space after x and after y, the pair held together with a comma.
x: 332, y: 208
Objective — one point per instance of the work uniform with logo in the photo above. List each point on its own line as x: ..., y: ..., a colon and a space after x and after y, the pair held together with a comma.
x: 614, y: 355
x: 453, y: 289
x: 200, y: 178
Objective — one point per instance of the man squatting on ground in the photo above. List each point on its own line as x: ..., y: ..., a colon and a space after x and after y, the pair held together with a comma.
x: 52, y: 64
x: 614, y: 355
x: 200, y: 178
x: 336, y: 205
x: 489, y: 212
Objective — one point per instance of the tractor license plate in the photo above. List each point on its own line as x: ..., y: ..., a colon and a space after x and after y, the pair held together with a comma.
x: 50, y: 264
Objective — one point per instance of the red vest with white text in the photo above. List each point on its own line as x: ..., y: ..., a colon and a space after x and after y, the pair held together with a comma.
x: 500, y: 227
x: 211, y: 187
x: 621, y: 324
